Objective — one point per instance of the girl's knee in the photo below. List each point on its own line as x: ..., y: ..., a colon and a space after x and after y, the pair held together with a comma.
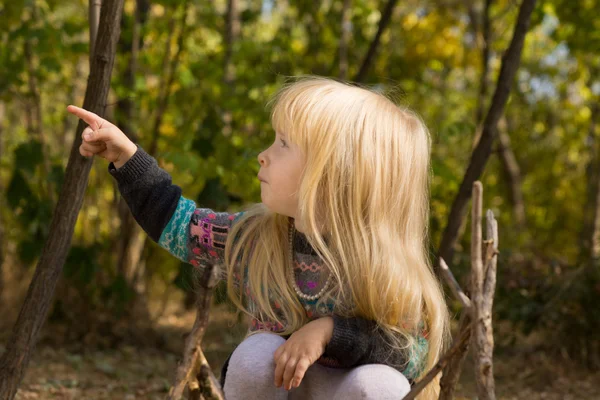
x: 256, y: 352
x: 375, y: 381
x: 260, y: 344
x: 251, y: 367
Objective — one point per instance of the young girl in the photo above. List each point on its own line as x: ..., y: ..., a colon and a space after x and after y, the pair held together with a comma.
x: 332, y: 265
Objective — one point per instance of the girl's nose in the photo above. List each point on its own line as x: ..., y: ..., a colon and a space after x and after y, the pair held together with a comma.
x: 261, y: 159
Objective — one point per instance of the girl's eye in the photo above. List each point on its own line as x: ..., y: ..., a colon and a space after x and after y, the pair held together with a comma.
x: 283, y: 143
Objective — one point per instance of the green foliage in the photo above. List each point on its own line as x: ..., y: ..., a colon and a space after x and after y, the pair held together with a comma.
x: 118, y: 294
x: 28, y: 156
x: 82, y: 265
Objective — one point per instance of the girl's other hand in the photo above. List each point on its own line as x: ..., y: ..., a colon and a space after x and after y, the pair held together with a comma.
x: 103, y: 138
x: 300, y: 351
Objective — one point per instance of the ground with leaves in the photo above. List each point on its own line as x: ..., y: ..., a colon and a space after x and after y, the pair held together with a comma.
x: 128, y: 372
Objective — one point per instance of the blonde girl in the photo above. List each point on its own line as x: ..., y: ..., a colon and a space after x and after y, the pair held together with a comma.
x: 332, y: 266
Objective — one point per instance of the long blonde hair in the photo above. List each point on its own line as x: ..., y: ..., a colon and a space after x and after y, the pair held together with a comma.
x: 366, y: 181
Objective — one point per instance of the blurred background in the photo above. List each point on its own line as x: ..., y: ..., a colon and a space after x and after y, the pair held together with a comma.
x: 190, y: 84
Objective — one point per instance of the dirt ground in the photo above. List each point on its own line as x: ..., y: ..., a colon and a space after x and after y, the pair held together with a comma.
x: 128, y: 372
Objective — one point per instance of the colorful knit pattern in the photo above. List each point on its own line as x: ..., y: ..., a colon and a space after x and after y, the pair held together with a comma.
x: 174, y: 237
x: 197, y: 235
x: 416, y: 364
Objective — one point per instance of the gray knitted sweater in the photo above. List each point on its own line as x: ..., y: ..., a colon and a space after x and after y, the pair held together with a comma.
x: 197, y: 236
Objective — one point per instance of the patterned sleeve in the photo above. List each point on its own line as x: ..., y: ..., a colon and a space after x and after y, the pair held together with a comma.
x: 197, y: 235
x: 194, y: 235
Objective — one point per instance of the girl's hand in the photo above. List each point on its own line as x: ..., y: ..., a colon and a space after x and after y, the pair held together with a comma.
x: 300, y: 351
x: 105, y: 139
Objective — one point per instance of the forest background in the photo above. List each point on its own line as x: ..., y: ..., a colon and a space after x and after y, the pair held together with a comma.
x: 190, y: 83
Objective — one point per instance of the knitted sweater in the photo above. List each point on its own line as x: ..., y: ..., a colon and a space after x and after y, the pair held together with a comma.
x: 198, y: 235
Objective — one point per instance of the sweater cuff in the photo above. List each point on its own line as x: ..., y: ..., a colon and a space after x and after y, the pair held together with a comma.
x: 135, y: 167
x: 342, y: 343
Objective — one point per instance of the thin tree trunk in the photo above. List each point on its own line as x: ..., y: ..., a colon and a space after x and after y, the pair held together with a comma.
x: 2, y: 190
x: 386, y: 17
x: 230, y: 36
x: 169, y: 76
x: 314, y: 27
x: 591, y: 227
x: 232, y: 32
x: 483, y: 40
x: 512, y: 172
x: 345, y: 38
x: 21, y: 344
x: 505, y: 152
x: 510, y: 64
x: 94, y: 20
x: 167, y: 83
x: 36, y: 112
x: 128, y: 248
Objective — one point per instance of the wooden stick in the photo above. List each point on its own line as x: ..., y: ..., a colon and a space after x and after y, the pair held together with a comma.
x: 482, y: 326
x: 491, y: 258
x: 453, y: 369
x: 454, y: 286
x: 205, y: 385
x: 190, y: 367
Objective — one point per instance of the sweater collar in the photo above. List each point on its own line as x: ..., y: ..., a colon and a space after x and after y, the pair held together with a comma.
x: 301, y: 244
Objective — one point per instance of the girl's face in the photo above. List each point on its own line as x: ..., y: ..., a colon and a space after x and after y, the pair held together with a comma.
x: 281, y: 167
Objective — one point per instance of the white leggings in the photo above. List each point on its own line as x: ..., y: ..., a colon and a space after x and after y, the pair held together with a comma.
x: 251, y: 374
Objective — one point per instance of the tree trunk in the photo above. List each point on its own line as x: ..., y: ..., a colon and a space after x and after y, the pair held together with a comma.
x: 386, y: 17
x: 510, y: 64
x: 36, y: 112
x: 94, y: 20
x: 483, y: 40
x: 345, y: 38
x: 590, y: 235
x: 169, y: 76
x: 507, y: 156
x: 2, y: 238
x: 128, y: 248
x: 232, y: 32
x: 512, y: 172
x: 230, y: 36
x: 33, y: 314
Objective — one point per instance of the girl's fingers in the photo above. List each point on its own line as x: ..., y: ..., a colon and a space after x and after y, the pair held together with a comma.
x: 277, y: 353
x: 84, y: 152
x: 290, y: 368
x: 90, y: 149
x: 279, y: 369
x: 89, y: 117
x: 93, y: 146
x: 86, y: 131
x: 301, y: 368
x: 98, y: 135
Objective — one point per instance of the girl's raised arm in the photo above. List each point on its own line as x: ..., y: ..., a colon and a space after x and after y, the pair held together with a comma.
x: 193, y: 235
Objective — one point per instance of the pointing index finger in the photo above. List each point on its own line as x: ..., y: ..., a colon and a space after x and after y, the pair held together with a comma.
x: 89, y: 117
